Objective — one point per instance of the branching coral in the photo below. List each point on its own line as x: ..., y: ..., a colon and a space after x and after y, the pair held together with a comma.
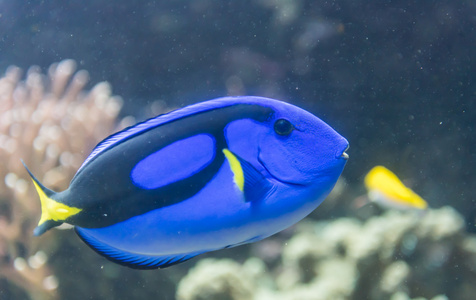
x: 51, y: 123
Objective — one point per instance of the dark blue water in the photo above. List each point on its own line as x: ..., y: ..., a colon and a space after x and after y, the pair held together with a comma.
x: 396, y: 78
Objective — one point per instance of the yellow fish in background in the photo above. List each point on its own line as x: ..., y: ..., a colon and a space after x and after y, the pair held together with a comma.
x: 385, y: 188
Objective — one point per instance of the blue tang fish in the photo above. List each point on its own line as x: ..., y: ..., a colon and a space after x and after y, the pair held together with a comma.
x: 209, y: 176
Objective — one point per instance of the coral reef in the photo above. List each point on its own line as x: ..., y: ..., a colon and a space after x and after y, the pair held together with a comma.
x: 397, y: 255
x: 215, y: 280
x: 51, y: 123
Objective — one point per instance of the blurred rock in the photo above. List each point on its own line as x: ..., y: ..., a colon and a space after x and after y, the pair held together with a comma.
x: 216, y: 280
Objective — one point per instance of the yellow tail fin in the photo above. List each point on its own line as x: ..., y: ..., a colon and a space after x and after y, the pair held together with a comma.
x: 53, y: 213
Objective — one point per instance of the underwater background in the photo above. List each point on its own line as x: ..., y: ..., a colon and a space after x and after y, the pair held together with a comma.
x: 396, y: 78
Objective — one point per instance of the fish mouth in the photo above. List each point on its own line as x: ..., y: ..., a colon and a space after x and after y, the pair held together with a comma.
x: 344, y: 155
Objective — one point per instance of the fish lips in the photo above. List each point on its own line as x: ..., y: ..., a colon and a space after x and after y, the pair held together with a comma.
x: 342, y: 153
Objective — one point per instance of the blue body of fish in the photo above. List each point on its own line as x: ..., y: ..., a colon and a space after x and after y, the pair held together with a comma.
x: 209, y: 176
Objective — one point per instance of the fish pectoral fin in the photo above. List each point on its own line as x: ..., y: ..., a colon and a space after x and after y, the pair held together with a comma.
x: 133, y: 260
x: 249, y: 180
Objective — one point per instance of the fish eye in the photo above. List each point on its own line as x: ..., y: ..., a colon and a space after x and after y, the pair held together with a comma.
x: 283, y: 127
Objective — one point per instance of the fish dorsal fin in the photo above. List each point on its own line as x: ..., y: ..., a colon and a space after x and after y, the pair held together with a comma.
x: 151, y: 123
x: 132, y: 260
x: 248, y: 180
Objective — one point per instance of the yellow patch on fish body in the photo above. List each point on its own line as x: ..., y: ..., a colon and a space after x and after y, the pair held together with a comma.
x: 385, y: 187
x: 236, y: 168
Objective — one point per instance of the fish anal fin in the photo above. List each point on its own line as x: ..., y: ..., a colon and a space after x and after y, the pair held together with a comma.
x: 249, y: 180
x: 133, y: 260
